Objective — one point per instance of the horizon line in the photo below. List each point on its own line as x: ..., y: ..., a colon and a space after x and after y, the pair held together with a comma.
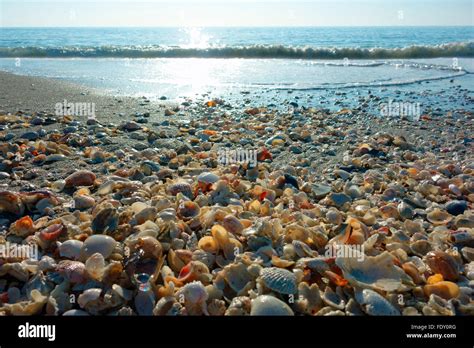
x: 246, y: 26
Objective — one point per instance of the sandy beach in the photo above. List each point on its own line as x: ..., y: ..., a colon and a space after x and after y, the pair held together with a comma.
x: 156, y: 209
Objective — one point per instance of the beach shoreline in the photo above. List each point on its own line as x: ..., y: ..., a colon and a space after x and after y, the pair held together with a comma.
x: 140, y: 171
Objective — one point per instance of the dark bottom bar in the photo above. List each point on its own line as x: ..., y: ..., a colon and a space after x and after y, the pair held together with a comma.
x: 239, y: 331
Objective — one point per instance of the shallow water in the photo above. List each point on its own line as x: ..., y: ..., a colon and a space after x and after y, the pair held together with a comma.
x: 191, y: 62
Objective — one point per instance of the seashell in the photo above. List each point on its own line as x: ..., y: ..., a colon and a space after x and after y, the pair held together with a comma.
x: 47, y: 263
x: 208, y: 244
x: 175, y: 262
x: 194, y: 270
x: 296, y: 232
x: 421, y: 247
x: 405, y: 210
x: 389, y: 211
x: 309, y: 299
x: 70, y: 249
x: 207, y: 178
x: 279, y: 280
x: 195, y: 296
x: 73, y: 271
x: 112, y: 272
x: 320, y: 191
x: 105, y: 221
x: 88, y: 296
x: 239, y: 305
x: 443, y: 263
x: 333, y: 299
x: 98, y: 244
x: 339, y: 199
x: 334, y: 217
x: 30, y: 307
x: 233, y: 224
x: 221, y: 236
x: 413, y: 226
x: 11, y: 202
x: 439, y: 305
x: 281, y: 263
x: 95, y: 266
x: 149, y: 167
x: 237, y: 277
x: 188, y: 210
x: 468, y: 253
x: 83, y: 202
x: 461, y: 237
x: 377, y: 272
x: 151, y: 247
x: 80, y: 178
x: 38, y: 282
x: 374, y: 304
x: 52, y: 232
x: 412, y: 271
x: 146, y: 214
x: 165, y: 305
x: 443, y: 289
x: 439, y: 217
x: 352, y: 232
x: 58, y: 185
x: 180, y: 187
x: 23, y: 227
x: 271, y: 306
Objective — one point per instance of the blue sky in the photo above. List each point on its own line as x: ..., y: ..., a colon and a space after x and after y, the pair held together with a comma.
x: 34, y: 13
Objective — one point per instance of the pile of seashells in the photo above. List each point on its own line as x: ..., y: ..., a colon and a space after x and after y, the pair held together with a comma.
x: 389, y: 230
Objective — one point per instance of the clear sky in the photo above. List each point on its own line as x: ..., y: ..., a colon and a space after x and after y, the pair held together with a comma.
x: 99, y: 13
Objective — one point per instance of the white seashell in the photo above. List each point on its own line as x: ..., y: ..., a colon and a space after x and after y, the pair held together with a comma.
x: 269, y: 305
x: 46, y: 263
x: 376, y: 272
x: 95, y: 266
x: 194, y: 293
x: 138, y: 207
x: 88, y: 295
x: 98, y: 243
x: 333, y: 299
x: 279, y: 280
x: 374, y: 304
x: 70, y: 249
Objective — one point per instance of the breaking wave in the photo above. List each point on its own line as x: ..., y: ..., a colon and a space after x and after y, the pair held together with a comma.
x: 463, y: 49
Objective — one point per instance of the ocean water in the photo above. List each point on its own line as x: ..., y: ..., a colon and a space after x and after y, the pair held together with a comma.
x: 189, y: 62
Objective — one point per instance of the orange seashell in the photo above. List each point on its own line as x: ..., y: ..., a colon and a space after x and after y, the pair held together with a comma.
x: 444, y: 289
x: 435, y: 279
x: 209, y: 132
x: 264, y: 154
x: 335, y: 278
x: 24, y: 226
x: 52, y: 232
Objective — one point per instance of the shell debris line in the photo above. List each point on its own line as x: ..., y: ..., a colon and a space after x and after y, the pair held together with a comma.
x: 237, y: 211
